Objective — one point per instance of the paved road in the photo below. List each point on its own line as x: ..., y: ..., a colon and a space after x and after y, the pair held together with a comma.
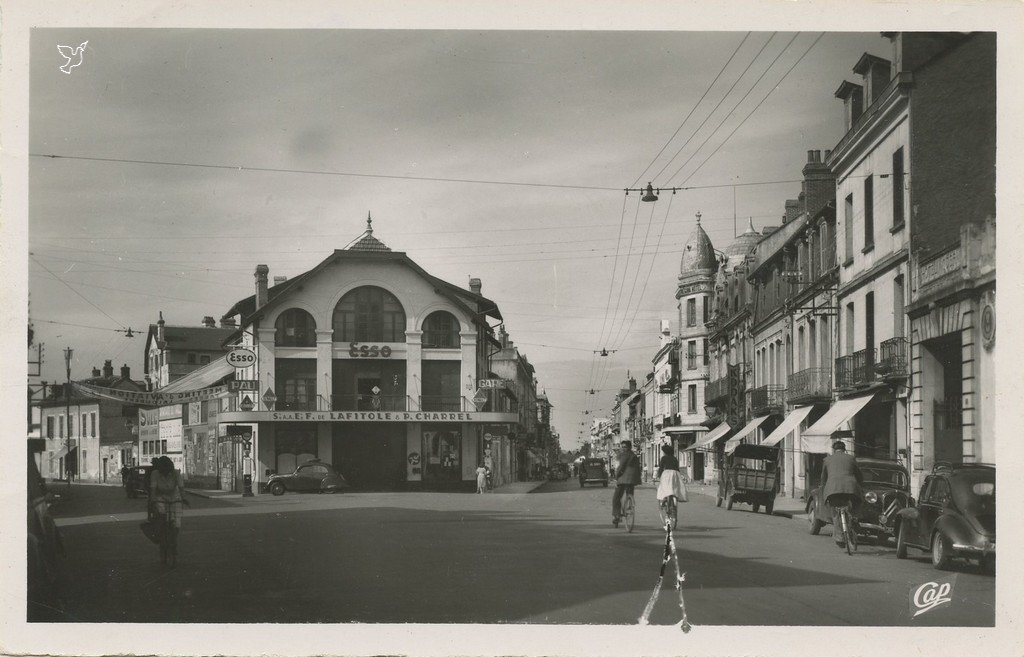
x: 550, y: 556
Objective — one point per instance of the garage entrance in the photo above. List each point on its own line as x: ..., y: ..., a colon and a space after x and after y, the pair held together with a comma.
x: 371, y: 456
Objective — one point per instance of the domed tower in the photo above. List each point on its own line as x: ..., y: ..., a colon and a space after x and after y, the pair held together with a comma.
x: 697, y: 269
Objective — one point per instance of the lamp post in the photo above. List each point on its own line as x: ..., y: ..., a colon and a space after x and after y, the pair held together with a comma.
x: 67, y: 412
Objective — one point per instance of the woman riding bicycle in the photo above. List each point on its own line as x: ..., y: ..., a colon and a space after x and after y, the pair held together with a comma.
x: 840, y: 485
x: 166, y: 495
x: 670, y: 484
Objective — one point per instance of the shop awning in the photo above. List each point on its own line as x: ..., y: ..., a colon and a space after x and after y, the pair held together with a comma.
x: 792, y: 421
x: 817, y: 438
x: 748, y: 428
x: 204, y: 377
x: 713, y: 435
x: 60, y: 453
x: 676, y: 429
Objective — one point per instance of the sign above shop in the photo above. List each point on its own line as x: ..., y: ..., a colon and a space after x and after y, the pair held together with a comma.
x: 356, y: 350
x: 240, y: 357
x: 363, y: 416
x: 485, y: 384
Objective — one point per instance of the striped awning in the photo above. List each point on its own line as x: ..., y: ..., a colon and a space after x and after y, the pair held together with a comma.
x: 715, y: 434
x: 816, y: 438
x: 792, y: 421
x: 748, y: 428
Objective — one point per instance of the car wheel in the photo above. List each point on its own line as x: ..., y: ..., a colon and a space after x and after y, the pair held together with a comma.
x: 768, y: 508
x: 719, y: 501
x: 581, y: 483
x: 901, y: 541
x: 812, y: 515
x: 277, y: 488
x: 728, y: 505
x: 606, y: 484
x: 941, y: 553
x: 757, y: 506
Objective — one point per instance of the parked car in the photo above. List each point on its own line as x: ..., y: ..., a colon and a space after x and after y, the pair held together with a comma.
x: 886, y: 489
x: 593, y: 471
x: 313, y: 476
x: 45, y: 567
x: 137, y: 483
x: 955, y: 516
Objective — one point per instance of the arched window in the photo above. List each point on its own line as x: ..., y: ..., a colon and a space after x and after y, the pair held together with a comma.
x: 295, y: 328
x: 369, y: 314
x: 441, y: 330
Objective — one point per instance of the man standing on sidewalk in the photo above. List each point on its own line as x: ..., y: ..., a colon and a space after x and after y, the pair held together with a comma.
x: 627, y: 475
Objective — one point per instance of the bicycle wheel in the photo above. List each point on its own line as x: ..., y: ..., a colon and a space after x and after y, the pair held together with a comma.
x: 851, y: 532
x: 847, y: 532
x: 629, y: 512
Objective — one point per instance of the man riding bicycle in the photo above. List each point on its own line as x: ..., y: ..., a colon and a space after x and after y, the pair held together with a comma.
x: 627, y: 475
x: 840, y: 485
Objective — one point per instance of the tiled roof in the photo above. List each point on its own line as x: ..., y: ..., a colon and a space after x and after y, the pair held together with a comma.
x: 366, y: 241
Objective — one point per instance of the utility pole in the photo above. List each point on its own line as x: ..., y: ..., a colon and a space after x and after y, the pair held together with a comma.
x: 67, y: 411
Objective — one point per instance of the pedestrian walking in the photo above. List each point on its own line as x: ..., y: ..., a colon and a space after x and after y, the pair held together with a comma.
x: 645, y: 471
x: 481, y: 479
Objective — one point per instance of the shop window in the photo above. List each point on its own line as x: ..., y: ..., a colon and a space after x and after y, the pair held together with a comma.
x: 442, y: 449
x: 369, y: 314
x: 295, y: 328
x: 441, y: 330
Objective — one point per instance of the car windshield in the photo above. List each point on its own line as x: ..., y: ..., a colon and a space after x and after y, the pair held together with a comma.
x: 974, y: 491
x: 888, y: 476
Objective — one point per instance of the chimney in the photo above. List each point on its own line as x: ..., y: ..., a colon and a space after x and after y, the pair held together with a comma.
x: 227, y: 322
x: 876, y: 73
x: 475, y: 285
x: 632, y: 384
x: 160, y: 338
x: 819, y: 186
x: 95, y: 372
x: 793, y: 210
x: 108, y: 369
x: 126, y: 372
x: 280, y: 279
x: 209, y: 322
x: 261, y: 285
x: 852, y: 96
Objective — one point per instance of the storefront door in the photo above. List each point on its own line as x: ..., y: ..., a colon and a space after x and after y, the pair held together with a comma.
x: 370, y: 456
x: 442, y: 450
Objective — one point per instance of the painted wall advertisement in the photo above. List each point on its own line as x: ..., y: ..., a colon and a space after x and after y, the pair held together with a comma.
x: 149, y: 425
x: 170, y: 431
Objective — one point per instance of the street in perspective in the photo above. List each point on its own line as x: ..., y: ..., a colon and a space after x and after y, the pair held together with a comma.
x: 428, y: 326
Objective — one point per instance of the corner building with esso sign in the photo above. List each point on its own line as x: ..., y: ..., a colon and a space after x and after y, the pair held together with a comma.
x: 369, y: 363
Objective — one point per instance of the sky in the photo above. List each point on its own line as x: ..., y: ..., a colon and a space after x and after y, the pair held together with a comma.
x: 550, y: 127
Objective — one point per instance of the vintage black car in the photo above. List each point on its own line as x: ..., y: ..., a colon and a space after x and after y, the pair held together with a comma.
x: 593, y: 471
x: 313, y: 476
x: 955, y: 516
x: 137, y: 482
x: 886, y: 489
x: 46, y: 568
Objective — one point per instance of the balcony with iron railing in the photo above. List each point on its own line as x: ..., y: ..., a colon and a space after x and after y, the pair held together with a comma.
x: 893, y: 363
x: 857, y: 369
x: 716, y: 390
x: 810, y: 385
x: 357, y: 402
x: 299, y: 404
x: 441, y: 340
x: 768, y: 399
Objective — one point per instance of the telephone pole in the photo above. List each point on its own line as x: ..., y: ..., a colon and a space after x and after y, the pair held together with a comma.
x: 67, y: 411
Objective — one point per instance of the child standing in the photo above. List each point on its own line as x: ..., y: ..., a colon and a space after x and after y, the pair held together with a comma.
x: 481, y: 479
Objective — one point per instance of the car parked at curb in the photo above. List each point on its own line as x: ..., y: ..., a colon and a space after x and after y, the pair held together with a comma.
x: 886, y: 489
x: 313, y: 476
x: 137, y: 482
x: 593, y: 471
x: 955, y: 516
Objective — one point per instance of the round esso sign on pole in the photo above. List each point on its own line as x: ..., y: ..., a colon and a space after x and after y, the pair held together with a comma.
x: 241, y: 357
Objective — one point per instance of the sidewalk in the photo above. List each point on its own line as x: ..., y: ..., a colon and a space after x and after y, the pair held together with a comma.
x: 785, y: 507
x: 514, y: 488
x: 212, y: 494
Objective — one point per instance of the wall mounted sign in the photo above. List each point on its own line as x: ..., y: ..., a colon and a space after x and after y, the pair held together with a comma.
x: 356, y: 350
x: 241, y: 357
x: 988, y: 323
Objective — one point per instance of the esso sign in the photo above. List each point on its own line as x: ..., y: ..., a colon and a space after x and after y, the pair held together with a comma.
x: 241, y: 357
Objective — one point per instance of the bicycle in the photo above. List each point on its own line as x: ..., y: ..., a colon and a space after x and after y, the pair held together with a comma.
x: 168, y: 543
x: 847, y: 528
x: 668, y: 508
x: 627, y: 512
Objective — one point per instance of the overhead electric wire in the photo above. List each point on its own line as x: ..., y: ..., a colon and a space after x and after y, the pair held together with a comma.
x: 738, y: 103
x: 715, y: 109
x: 692, y: 109
x: 318, y: 172
x: 80, y: 295
x: 636, y: 276
x: 788, y: 71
